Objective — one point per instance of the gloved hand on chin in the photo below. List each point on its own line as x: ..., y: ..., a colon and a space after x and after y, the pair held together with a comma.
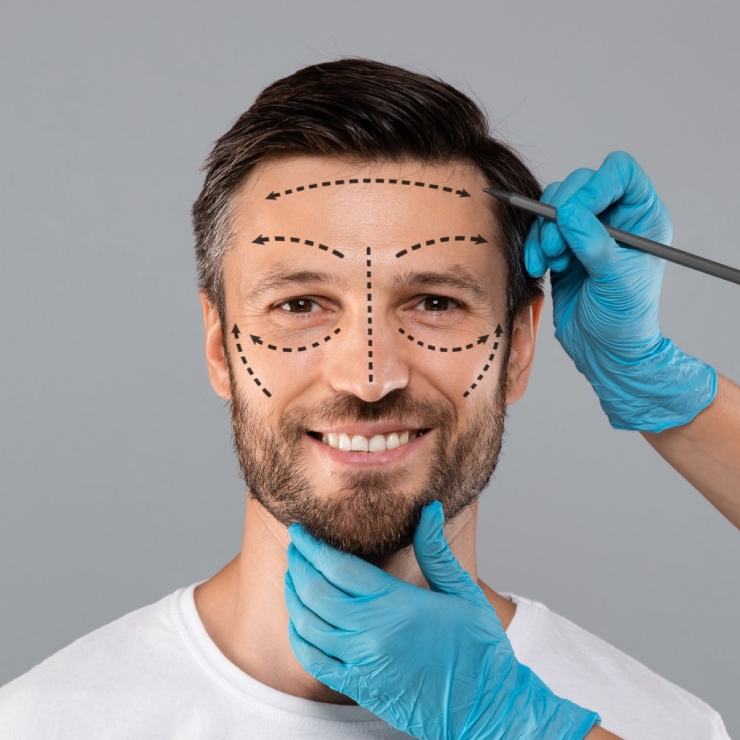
x: 606, y: 297
x: 436, y: 664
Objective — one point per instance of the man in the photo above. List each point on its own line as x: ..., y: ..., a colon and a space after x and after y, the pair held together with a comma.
x: 369, y: 317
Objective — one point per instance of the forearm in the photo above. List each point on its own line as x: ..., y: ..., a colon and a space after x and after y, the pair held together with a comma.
x: 706, y: 451
x: 599, y: 733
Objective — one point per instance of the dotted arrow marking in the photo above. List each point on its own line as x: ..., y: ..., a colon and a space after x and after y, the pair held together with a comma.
x: 308, y: 242
x: 258, y: 382
x: 411, y: 338
x: 368, y: 264
x: 379, y: 180
x: 477, y: 239
x: 258, y: 340
x: 497, y: 333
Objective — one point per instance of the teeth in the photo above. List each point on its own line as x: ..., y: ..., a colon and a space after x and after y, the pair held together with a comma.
x: 376, y: 443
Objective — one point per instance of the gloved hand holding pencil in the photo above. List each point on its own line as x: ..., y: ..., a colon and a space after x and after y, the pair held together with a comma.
x: 606, y: 296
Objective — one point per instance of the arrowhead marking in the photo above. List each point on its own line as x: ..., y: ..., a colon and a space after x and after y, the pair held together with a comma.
x: 273, y: 196
x: 463, y: 193
x: 479, y: 240
x: 255, y: 339
x: 261, y: 239
x: 499, y: 331
x: 483, y: 340
x: 235, y: 331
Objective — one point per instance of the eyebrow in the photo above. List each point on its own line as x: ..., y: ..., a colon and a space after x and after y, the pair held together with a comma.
x: 457, y: 276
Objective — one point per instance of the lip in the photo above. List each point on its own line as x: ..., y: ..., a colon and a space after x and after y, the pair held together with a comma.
x: 365, y: 459
x: 368, y: 430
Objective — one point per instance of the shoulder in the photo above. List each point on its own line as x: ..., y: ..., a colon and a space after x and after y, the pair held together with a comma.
x: 633, y: 700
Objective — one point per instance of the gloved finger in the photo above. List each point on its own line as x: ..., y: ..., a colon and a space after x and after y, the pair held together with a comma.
x: 326, y: 669
x: 620, y: 178
x: 310, y: 626
x: 325, y: 600
x: 553, y: 245
x: 589, y: 240
x: 347, y: 572
x: 534, y: 258
x: 345, y: 646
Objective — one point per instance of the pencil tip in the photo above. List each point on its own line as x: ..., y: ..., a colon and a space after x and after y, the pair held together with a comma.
x: 499, y: 194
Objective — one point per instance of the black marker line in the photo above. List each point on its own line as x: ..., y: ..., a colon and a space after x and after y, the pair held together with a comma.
x: 378, y: 180
x: 459, y: 238
x: 411, y: 338
x: 258, y: 383
x: 308, y: 242
x: 368, y: 263
x: 473, y: 386
x: 258, y: 340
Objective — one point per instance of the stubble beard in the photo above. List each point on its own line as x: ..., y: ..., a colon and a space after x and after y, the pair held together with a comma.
x: 371, y: 513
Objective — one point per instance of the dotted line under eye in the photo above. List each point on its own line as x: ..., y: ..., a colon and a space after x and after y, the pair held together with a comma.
x: 368, y: 264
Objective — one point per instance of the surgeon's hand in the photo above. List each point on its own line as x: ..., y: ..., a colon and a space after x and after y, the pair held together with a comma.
x: 606, y: 296
x: 436, y: 664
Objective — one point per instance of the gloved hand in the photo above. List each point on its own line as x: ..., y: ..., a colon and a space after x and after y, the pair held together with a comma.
x: 606, y: 296
x: 436, y: 664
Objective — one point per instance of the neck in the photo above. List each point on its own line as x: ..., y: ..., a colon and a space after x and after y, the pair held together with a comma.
x: 243, y: 606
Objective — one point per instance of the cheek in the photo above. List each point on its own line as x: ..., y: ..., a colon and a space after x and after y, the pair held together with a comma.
x: 265, y: 369
x: 458, y: 375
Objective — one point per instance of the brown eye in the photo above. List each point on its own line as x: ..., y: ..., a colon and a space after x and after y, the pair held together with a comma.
x: 298, y: 305
x: 437, y: 303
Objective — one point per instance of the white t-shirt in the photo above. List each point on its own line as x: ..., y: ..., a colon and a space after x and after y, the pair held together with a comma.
x: 155, y: 674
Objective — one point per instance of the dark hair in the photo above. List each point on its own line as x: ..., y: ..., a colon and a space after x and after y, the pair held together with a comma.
x: 360, y: 110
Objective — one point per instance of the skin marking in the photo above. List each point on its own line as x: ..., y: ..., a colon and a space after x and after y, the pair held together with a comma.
x: 368, y: 264
x: 365, y: 180
x: 258, y: 340
x: 477, y: 239
x: 258, y: 383
x: 498, y: 333
x: 481, y: 340
x: 308, y: 242
x: 480, y: 377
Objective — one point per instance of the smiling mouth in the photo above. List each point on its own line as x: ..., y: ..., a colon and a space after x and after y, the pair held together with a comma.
x: 375, y: 443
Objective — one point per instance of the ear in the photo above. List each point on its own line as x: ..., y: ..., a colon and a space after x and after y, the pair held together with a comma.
x: 215, y: 359
x: 523, y: 340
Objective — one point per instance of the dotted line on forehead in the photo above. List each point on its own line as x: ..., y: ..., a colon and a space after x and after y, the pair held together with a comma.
x: 275, y: 195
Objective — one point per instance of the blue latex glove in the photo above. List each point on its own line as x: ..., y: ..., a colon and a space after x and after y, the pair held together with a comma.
x: 606, y: 297
x: 436, y: 664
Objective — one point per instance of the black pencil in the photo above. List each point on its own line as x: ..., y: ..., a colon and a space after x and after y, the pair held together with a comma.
x: 631, y: 240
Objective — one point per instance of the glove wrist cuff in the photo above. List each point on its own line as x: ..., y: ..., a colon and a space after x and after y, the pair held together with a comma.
x: 667, y: 390
x: 532, y: 710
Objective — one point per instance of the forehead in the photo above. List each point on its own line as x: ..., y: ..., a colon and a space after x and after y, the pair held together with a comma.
x: 432, y: 197
x: 388, y: 205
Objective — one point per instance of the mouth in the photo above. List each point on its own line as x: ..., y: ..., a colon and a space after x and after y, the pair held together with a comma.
x: 370, y: 443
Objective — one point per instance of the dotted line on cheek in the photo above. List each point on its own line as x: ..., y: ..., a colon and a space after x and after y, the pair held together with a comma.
x: 368, y: 264
x: 256, y: 380
x: 485, y: 369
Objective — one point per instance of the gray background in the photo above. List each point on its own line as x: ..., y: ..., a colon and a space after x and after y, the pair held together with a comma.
x: 118, y: 479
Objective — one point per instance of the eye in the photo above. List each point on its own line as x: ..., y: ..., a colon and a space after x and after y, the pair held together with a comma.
x: 299, y: 305
x: 437, y: 303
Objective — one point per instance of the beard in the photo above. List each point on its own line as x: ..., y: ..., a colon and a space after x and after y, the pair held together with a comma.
x: 370, y: 513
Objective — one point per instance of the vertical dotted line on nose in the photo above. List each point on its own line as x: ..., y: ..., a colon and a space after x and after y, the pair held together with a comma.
x: 369, y: 264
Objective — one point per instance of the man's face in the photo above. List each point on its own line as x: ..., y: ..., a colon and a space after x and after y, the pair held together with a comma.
x: 365, y: 314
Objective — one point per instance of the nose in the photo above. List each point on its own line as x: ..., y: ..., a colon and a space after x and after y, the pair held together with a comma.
x: 368, y: 361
